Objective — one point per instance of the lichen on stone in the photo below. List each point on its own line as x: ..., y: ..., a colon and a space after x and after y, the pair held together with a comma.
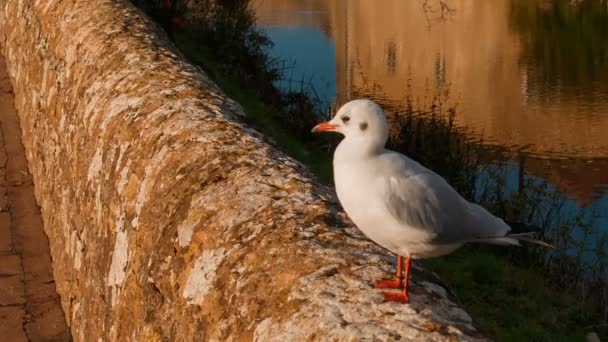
x: 202, y: 276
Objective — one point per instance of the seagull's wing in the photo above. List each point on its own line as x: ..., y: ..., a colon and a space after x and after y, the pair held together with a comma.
x: 425, y: 202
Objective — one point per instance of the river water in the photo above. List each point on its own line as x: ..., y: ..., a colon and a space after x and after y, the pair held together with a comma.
x: 529, y: 78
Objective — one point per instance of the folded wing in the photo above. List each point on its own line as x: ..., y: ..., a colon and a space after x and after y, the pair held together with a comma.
x: 426, y: 202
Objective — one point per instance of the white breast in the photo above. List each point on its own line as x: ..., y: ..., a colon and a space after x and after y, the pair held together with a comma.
x: 365, y: 209
x: 364, y: 204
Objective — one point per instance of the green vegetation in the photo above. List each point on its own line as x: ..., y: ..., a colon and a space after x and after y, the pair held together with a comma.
x: 513, y: 294
x: 510, y: 301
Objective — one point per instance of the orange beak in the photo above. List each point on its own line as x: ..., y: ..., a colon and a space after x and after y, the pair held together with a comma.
x: 324, y: 127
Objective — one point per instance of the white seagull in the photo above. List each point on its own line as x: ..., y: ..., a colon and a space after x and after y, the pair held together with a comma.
x: 398, y: 203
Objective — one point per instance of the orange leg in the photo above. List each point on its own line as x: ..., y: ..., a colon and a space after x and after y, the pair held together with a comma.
x: 403, y: 295
x: 396, y: 283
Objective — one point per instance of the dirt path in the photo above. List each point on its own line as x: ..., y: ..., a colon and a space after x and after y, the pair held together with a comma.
x: 30, y: 308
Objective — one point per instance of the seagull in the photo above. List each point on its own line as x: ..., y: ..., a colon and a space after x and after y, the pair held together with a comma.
x: 398, y: 203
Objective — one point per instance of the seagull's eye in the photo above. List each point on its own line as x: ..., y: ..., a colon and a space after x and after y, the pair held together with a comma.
x: 345, y: 118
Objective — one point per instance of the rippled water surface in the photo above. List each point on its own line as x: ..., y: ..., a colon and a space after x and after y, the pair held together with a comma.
x: 527, y: 76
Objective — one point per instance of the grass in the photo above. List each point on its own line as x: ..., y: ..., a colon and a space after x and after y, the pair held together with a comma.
x: 509, y: 302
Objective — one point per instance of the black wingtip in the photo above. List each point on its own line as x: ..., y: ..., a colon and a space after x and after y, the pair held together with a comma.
x: 519, y: 227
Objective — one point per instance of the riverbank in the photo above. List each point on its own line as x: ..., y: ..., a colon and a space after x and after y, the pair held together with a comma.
x: 508, y: 301
x: 510, y: 293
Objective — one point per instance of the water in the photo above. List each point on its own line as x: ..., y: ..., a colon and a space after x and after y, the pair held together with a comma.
x: 529, y: 77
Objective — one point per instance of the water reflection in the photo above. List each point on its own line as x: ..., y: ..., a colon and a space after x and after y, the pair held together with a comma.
x: 564, y: 49
x: 528, y: 76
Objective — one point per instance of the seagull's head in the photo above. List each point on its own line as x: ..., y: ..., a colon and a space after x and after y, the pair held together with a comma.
x: 360, y: 120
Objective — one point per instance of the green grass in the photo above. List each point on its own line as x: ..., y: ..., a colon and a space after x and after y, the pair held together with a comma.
x: 508, y: 302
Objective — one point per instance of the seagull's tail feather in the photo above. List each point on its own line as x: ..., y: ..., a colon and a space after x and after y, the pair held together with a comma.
x: 514, y: 239
x: 526, y: 237
x: 503, y: 241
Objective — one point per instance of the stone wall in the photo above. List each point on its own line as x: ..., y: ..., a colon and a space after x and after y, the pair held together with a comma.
x: 168, y: 218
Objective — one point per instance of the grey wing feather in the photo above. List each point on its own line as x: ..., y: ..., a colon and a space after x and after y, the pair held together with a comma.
x: 426, y: 202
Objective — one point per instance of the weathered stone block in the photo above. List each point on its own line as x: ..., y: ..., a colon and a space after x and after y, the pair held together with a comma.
x: 12, y: 291
x: 6, y: 241
x: 13, y: 328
